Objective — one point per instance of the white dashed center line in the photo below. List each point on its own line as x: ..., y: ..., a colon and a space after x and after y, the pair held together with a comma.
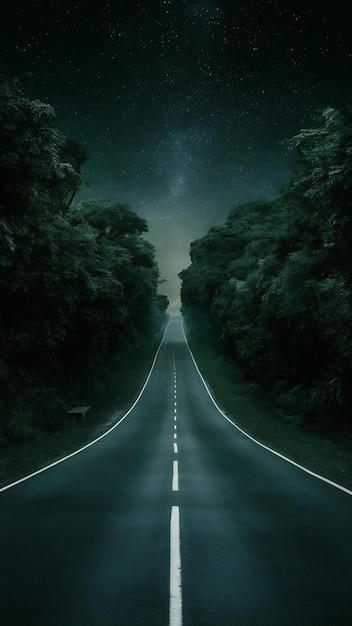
x: 175, y: 476
x: 175, y: 613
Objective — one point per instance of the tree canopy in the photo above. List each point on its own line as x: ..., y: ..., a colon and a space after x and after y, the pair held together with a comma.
x: 274, y: 282
x: 77, y: 280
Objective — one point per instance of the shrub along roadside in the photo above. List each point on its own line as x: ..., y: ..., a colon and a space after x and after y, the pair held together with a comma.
x: 110, y: 396
x: 245, y: 404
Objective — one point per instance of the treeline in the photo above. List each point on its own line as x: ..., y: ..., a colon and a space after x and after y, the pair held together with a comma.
x: 77, y: 281
x: 274, y: 284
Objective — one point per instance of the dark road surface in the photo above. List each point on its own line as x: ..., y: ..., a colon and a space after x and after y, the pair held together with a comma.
x: 175, y: 517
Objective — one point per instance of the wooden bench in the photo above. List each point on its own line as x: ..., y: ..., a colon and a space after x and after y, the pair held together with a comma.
x: 78, y: 412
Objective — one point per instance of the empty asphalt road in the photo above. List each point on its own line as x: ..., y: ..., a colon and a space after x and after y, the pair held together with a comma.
x: 175, y: 517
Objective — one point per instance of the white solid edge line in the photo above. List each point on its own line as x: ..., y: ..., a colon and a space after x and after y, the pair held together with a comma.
x: 262, y: 445
x: 91, y: 443
x: 175, y: 611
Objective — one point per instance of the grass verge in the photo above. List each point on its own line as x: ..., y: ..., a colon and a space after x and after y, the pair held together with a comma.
x: 245, y: 405
x: 110, y: 399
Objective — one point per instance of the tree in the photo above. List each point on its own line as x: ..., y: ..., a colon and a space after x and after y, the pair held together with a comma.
x: 29, y: 149
x: 276, y: 279
x: 77, y: 281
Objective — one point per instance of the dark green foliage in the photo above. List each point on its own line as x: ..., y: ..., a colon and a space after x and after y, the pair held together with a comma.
x: 275, y: 281
x: 72, y: 157
x: 77, y: 281
x: 162, y: 303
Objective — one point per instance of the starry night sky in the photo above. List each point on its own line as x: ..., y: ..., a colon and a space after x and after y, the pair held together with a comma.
x: 181, y: 104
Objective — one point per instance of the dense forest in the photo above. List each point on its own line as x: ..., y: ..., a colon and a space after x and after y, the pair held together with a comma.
x: 77, y: 280
x: 274, y: 284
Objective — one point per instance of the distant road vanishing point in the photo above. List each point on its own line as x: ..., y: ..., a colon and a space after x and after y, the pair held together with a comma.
x: 175, y: 517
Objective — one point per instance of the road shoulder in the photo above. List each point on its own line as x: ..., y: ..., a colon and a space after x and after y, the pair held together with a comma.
x: 245, y: 405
